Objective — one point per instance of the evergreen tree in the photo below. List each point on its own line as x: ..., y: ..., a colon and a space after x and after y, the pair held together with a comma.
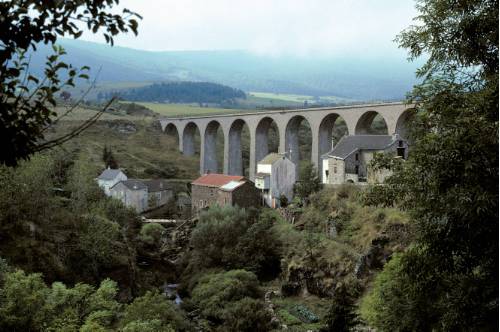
x: 341, y: 317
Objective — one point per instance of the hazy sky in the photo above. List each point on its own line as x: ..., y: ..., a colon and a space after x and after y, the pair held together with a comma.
x: 271, y: 27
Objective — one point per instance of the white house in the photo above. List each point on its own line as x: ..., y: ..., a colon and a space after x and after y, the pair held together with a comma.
x: 108, y: 178
x: 348, y: 161
x: 275, y: 176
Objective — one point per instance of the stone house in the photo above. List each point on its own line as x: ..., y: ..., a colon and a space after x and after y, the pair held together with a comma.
x: 348, y: 161
x: 108, y: 178
x: 133, y: 193
x: 276, y: 175
x: 159, y: 192
x: 220, y: 189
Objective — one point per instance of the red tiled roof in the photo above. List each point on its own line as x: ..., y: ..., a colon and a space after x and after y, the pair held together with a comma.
x: 216, y: 180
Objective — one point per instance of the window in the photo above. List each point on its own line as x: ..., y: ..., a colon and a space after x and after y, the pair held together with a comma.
x: 326, y: 173
x: 334, y: 169
x: 400, y: 144
x: 401, y: 152
x: 356, y: 169
x: 201, y: 203
x: 356, y: 156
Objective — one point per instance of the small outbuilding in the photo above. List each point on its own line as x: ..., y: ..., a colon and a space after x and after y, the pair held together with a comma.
x: 276, y: 175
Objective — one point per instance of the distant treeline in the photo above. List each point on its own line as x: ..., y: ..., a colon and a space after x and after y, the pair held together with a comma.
x: 179, y: 92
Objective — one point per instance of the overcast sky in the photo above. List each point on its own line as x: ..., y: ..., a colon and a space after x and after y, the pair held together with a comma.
x: 270, y: 27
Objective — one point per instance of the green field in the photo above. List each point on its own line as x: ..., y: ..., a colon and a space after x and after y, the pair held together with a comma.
x: 297, y: 99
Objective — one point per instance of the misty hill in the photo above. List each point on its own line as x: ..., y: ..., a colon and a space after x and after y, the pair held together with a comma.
x: 180, y: 92
x: 365, y: 78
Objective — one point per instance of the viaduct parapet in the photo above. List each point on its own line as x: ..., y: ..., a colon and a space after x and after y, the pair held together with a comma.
x: 358, y: 119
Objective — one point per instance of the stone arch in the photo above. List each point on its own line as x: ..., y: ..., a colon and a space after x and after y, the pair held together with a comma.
x: 365, y: 122
x: 189, y: 138
x: 172, y: 131
x: 262, y: 139
x: 332, y: 127
x: 292, y: 144
x: 403, y: 121
x: 210, y: 162
x: 236, y: 164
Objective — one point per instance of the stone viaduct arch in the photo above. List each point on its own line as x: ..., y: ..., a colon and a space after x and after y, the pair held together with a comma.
x: 321, y: 121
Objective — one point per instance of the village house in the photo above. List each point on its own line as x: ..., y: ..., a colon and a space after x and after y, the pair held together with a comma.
x: 133, y: 193
x: 348, y: 161
x: 159, y: 192
x: 220, y: 189
x: 108, y: 178
x: 276, y: 175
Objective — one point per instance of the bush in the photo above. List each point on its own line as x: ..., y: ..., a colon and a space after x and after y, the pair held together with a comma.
x: 247, y: 315
x: 151, y: 233
x: 215, y: 292
x: 232, y: 238
x: 154, y: 307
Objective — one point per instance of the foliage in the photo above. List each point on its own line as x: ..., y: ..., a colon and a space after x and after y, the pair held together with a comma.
x: 308, y: 182
x: 27, y: 304
x: 180, y: 92
x: 449, y: 280
x: 385, y: 161
x: 153, y: 309
x: 71, y: 231
x: 229, y: 298
x: 151, y: 233
x: 341, y: 317
x: 26, y: 100
x: 108, y: 158
x: 231, y: 238
x: 247, y: 315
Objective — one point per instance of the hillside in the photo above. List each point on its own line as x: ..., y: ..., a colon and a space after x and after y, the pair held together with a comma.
x: 364, y: 78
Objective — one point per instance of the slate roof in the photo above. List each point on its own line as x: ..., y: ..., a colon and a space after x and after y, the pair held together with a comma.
x: 156, y: 185
x: 109, y: 174
x: 216, y: 180
x: 351, y: 143
x: 271, y: 158
x: 230, y: 186
x: 133, y: 184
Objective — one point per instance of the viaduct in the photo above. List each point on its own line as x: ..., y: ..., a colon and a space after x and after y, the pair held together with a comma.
x: 358, y: 119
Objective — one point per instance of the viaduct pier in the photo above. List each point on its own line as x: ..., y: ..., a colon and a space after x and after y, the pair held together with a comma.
x: 358, y: 119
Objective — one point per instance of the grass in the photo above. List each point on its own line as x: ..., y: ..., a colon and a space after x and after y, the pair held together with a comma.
x: 142, y: 154
x: 185, y: 109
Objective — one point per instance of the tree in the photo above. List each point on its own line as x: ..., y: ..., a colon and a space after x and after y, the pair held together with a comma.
x: 449, y: 183
x: 308, y: 182
x: 218, y: 295
x: 153, y: 309
x: 341, y: 317
x: 27, y: 101
x: 108, y: 158
x: 231, y: 238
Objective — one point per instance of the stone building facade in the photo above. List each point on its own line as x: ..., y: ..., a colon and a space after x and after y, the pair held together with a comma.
x: 132, y: 193
x: 220, y: 189
x: 348, y: 161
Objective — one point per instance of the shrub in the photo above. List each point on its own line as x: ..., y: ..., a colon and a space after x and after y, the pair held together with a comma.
x: 151, y: 233
x: 216, y: 292
x: 231, y: 238
x: 153, y: 307
x: 247, y: 315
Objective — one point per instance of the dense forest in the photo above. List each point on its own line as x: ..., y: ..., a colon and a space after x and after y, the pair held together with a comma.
x: 179, y: 92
